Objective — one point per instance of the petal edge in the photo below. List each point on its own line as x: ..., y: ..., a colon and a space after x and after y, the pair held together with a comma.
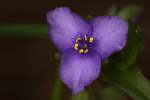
x: 64, y: 26
x: 110, y: 33
x: 77, y: 71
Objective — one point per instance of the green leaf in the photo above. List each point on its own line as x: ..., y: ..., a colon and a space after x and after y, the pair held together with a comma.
x: 129, y: 12
x: 131, y: 81
x: 23, y: 30
x: 112, y: 93
x: 112, y: 11
x: 88, y: 17
x: 122, y: 60
x: 81, y: 96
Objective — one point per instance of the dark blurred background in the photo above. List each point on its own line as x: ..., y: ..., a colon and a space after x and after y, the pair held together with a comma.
x: 26, y: 64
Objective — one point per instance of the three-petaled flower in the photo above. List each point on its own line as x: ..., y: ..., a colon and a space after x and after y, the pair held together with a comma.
x: 84, y: 44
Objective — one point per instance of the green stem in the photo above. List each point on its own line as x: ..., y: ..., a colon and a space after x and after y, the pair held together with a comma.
x: 23, y: 30
x: 57, y: 90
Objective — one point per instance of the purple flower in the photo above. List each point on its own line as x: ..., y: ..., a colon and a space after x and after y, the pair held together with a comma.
x: 84, y: 44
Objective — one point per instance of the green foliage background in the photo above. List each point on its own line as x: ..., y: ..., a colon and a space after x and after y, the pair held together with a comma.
x: 119, y: 71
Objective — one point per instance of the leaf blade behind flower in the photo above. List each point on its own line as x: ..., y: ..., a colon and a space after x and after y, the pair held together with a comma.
x: 130, y: 12
x: 132, y: 82
x: 125, y: 58
x: 23, y: 30
x: 81, y: 96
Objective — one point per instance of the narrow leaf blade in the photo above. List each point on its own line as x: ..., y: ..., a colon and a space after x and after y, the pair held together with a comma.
x: 132, y: 82
x: 130, y: 12
x: 23, y: 30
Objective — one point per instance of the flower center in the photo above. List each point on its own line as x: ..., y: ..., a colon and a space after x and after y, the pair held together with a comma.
x: 81, y: 44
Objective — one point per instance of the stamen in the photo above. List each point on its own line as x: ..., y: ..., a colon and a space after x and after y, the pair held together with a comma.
x: 81, y: 51
x: 85, y: 37
x: 81, y: 44
x: 77, y: 39
x: 76, y: 46
x: 91, y: 39
x: 86, y: 51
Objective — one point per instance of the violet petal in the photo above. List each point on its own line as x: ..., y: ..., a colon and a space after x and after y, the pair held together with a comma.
x: 78, y: 71
x: 64, y: 26
x: 110, y: 32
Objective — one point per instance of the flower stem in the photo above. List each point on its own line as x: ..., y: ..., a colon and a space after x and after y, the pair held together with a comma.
x: 23, y: 30
x: 57, y: 89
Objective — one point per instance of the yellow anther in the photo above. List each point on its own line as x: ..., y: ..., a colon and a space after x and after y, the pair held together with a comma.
x: 81, y: 51
x: 76, y: 46
x: 77, y: 39
x: 86, y: 51
x: 91, y: 39
x: 85, y: 37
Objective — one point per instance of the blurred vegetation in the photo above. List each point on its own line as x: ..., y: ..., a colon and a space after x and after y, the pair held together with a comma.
x: 119, y: 71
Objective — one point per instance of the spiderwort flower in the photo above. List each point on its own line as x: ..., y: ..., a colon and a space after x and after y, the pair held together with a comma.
x: 84, y: 45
